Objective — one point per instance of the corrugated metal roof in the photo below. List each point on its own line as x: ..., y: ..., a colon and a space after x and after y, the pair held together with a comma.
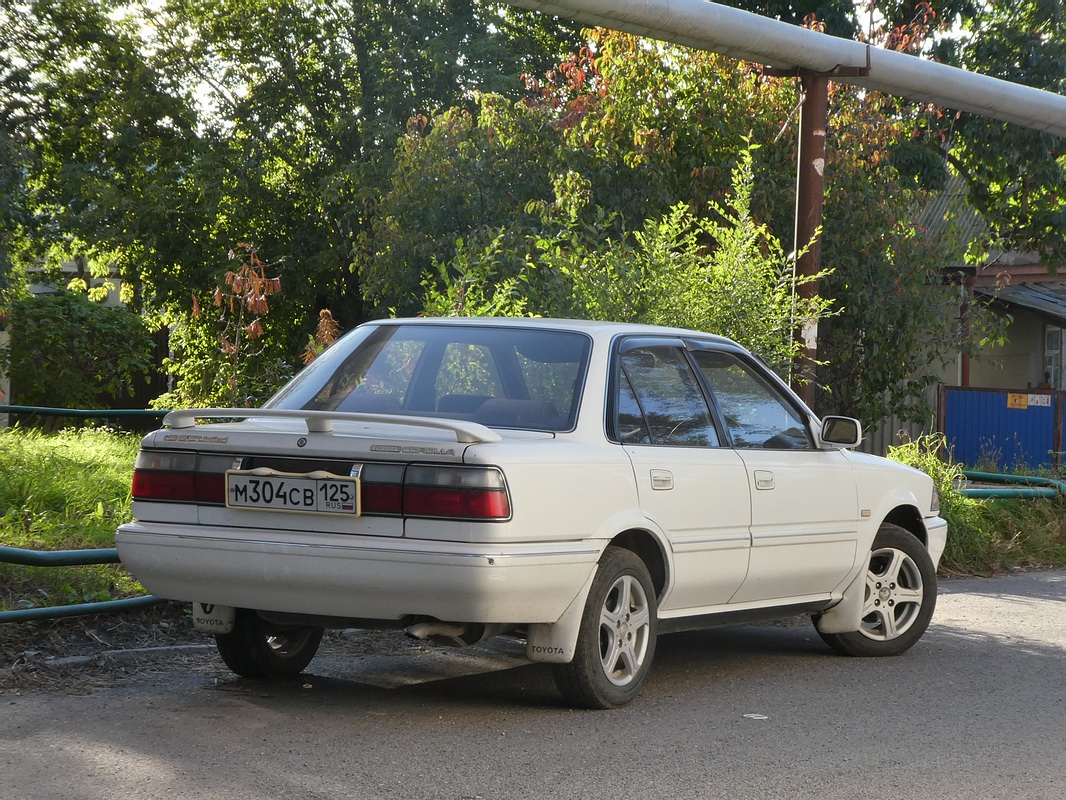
x: 1046, y: 298
x: 951, y: 206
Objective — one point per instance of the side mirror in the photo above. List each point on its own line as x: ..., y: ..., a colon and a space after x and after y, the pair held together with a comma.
x: 841, y: 431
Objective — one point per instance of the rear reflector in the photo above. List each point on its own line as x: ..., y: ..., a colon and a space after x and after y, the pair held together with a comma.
x: 180, y: 477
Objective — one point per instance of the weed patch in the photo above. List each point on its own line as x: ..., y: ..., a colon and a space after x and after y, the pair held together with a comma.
x: 986, y: 535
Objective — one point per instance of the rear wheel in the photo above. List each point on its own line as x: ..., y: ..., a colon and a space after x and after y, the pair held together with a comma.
x: 257, y: 648
x: 616, y: 642
x: 899, y: 600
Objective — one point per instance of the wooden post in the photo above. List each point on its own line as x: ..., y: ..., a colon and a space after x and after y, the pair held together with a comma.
x: 810, y: 191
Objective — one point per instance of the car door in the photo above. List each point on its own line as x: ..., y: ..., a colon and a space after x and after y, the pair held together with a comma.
x: 804, y: 504
x: 692, y: 488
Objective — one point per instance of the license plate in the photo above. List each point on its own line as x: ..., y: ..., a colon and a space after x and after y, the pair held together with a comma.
x: 314, y: 493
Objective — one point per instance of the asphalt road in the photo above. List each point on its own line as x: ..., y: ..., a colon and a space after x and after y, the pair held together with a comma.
x: 977, y: 710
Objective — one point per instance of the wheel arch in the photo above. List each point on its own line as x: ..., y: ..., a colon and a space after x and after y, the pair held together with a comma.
x: 910, y: 519
x: 648, y: 548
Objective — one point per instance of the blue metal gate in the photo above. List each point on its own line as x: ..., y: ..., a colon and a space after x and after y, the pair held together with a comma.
x: 1008, y: 429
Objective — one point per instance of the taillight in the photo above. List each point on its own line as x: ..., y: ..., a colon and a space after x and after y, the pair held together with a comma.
x: 477, y: 493
x: 158, y: 485
x: 180, y: 477
x: 379, y: 498
x: 419, y: 490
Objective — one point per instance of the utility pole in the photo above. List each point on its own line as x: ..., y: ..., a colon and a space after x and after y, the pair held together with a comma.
x: 810, y: 190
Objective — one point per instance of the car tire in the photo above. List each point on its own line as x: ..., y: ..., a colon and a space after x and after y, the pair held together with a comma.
x: 616, y: 640
x: 899, y: 600
x: 257, y: 648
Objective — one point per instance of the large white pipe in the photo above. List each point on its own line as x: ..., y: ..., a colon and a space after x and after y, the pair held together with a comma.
x: 741, y: 34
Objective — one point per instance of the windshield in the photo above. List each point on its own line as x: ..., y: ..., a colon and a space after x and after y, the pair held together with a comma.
x: 498, y: 376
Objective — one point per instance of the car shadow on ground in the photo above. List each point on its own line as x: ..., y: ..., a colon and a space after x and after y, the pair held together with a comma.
x: 496, y: 673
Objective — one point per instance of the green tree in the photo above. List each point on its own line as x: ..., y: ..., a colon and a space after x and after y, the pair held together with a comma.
x: 12, y: 211
x: 153, y: 137
x: 104, y: 139
x: 620, y: 133
x: 1016, y: 176
x: 725, y: 273
x: 468, y: 286
x: 309, y: 99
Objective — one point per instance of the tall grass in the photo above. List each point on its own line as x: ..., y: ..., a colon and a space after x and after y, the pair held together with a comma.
x: 987, y: 534
x: 66, y: 490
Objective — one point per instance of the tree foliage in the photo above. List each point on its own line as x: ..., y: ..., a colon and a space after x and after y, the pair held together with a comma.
x: 620, y: 133
x: 722, y: 272
x: 1016, y: 177
x: 103, y: 138
x: 629, y: 128
x: 308, y: 100
x: 152, y: 138
x: 67, y: 351
x: 460, y: 155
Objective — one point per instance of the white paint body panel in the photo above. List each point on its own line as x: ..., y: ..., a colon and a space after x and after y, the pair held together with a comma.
x: 706, y: 514
x: 804, y: 530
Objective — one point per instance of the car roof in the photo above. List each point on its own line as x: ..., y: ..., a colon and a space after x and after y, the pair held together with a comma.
x: 595, y: 328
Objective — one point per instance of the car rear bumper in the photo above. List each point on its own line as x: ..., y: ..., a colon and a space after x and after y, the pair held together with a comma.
x: 357, y: 576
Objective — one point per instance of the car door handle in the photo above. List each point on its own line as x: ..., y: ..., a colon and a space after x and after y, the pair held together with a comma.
x: 764, y: 480
x: 662, y: 479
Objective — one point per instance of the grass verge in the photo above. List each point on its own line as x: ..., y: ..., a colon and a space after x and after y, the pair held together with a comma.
x: 64, y: 491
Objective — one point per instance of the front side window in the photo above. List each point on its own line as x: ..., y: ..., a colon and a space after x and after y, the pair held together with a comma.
x: 752, y: 410
x: 660, y: 400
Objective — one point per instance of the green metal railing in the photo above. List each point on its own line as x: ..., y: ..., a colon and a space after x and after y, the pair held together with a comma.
x: 1012, y: 485
x: 69, y: 558
x: 72, y: 558
x: 82, y: 413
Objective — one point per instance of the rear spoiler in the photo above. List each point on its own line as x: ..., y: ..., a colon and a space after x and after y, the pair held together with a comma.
x: 322, y: 421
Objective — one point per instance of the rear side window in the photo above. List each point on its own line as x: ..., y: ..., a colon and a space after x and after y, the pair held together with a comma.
x: 660, y: 400
x: 498, y: 376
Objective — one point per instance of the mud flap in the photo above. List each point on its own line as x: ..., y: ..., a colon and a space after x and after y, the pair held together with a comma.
x: 210, y: 618
x: 845, y: 616
x: 556, y: 642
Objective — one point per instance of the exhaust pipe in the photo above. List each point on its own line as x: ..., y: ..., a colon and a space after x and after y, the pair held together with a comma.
x: 455, y: 634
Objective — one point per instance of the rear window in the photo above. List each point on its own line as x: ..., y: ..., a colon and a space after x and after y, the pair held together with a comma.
x: 498, y: 376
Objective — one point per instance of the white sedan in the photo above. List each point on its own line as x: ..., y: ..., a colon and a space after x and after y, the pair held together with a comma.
x: 585, y: 486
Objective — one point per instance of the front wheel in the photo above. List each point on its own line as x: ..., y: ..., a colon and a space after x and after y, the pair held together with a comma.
x: 899, y: 600
x: 616, y: 641
x: 256, y: 648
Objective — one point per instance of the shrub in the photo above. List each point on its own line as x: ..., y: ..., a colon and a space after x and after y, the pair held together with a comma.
x: 66, y: 350
x: 986, y: 534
